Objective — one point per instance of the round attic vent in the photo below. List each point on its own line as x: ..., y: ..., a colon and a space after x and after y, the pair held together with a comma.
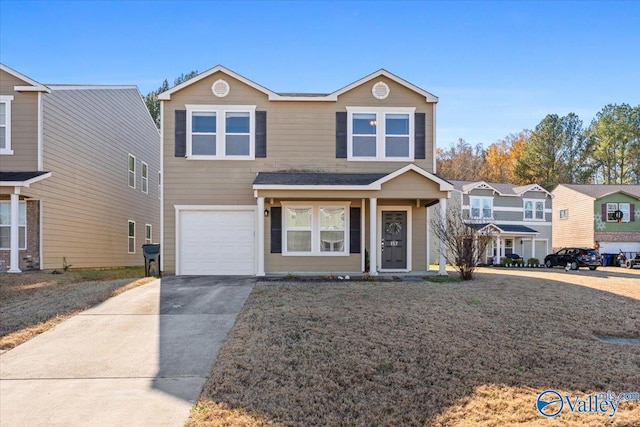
x: 380, y: 90
x: 220, y: 88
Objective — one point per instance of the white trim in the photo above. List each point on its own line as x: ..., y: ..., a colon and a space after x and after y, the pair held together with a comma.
x: 35, y: 86
x: 481, y: 199
x: 221, y: 133
x: 273, y: 96
x: 160, y: 188
x: 533, y: 218
x: 435, y: 170
x: 260, y: 249
x: 40, y: 132
x: 363, y: 241
x: 129, y: 171
x: 315, y: 227
x: 373, y: 237
x: 531, y: 187
x: 143, y: 178
x: 25, y: 183
x: 41, y: 225
x: 380, y: 113
x: 409, y: 243
x: 150, y: 238
x: 129, y: 222
x: 26, y: 228
x: 6, y: 100
x: 181, y: 208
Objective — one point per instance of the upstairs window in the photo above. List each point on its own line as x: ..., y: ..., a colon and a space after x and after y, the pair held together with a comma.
x: 220, y: 132
x: 625, y: 208
x: 564, y: 213
x: 145, y: 177
x: 132, y: 171
x: 380, y: 133
x: 534, y: 210
x: 5, y: 125
x: 481, y: 207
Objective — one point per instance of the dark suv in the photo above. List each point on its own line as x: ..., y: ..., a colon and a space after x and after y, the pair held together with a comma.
x: 574, y: 258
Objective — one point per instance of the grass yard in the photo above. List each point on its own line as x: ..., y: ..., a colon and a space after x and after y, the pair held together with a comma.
x: 33, y: 302
x: 427, y: 354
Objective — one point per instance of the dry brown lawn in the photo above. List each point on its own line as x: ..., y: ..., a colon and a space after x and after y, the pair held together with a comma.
x: 427, y: 354
x: 33, y: 302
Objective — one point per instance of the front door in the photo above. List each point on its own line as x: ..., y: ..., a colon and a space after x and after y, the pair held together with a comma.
x: 394, y: 240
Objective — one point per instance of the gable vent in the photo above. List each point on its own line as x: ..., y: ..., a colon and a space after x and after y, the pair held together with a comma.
x: 380, y: 90
x: 220, y: 88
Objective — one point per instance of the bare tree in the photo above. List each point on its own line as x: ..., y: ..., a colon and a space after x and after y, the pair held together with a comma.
x: 465, y: 240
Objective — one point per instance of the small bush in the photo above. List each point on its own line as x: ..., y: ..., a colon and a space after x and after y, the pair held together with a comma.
x: 533, y: 262
x: 506, y: 262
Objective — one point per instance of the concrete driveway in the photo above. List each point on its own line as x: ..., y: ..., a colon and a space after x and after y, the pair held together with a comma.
x: 139, y: 359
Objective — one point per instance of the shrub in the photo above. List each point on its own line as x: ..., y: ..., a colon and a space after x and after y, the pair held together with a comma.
x: 506, y: 262
x: 533, y: 262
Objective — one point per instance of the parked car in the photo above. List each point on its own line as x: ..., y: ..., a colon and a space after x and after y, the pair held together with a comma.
x: 574, y: 258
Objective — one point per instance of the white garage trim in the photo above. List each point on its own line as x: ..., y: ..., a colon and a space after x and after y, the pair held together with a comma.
x: 180, y: 209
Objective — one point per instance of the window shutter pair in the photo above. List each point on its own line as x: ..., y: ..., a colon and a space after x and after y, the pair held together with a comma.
x: 276, y: 230
x: 418, y: 137
x: 632, y: 212
x: 181, y: 134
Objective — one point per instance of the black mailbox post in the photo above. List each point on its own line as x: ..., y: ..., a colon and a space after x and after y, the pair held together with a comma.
x: 151, y: 260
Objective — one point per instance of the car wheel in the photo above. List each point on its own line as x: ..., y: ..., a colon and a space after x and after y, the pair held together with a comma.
x: 629, y: 265
x: 574, y: 265
x: 548, y: 263
x: 592, y: 267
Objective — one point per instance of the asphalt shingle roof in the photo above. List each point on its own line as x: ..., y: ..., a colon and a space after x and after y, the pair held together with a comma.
x: 316, y: 178
x: 596, y: 191
x: 19, y: 176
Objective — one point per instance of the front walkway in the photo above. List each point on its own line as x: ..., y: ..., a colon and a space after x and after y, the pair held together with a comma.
x: 139, y: 359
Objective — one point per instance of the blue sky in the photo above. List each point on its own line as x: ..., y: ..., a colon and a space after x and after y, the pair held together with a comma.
x: 498, y: 67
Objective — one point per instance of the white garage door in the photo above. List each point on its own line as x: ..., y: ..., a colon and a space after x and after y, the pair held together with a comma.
x: 217, y: 242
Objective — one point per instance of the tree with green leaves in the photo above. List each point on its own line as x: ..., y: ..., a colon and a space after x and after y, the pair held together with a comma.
x: 614, y: 141
x: 556, y: 153
x: 152, y: 101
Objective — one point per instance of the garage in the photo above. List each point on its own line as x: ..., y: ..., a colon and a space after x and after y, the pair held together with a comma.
x: 216, y: 241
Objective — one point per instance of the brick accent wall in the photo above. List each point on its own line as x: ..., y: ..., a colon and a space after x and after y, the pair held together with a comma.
x: 29, y: 258
x: 618, y: 236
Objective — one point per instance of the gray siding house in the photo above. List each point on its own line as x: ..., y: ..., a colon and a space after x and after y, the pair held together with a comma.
x: 519, y: 217
x: 79, y: 175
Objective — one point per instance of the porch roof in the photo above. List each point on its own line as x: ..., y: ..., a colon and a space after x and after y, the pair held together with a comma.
x: 506, y: 228
x: 316, y: 178
x: 22, y: 179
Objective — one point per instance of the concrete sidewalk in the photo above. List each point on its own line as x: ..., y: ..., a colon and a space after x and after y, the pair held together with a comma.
x: 138, y: 359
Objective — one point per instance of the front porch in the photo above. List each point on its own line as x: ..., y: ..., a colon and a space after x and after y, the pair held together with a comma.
x: 510, y: 240
x: 346, y: 222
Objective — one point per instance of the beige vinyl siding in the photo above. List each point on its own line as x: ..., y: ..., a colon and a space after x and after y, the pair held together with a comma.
x: 24, y: 126
x: 87, y: 202
x: 300, y: 136
x: 578, y: 228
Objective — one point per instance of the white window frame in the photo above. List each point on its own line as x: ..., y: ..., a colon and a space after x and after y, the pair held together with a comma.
x: 564, y: 213
x: 148, y: 234
x: 626, y: 214
x: 131, y: 173
x: 315, y: 227
x: 159, y: 185
x: 21, y: 205
x: 145, y: 177
x: 129, y: 236
x: 534, y: 210
x: 7, y: 150
x: 221, y: 132
x: 481, y: 200
x: 380, y: 113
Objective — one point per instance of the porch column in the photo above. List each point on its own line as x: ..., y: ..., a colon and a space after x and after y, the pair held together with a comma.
x: 442, y: 268
x: 498, y: 249
x: 14, y: 260
x: 260, y: 213
x: 533, y: 247
x: 373, y: 239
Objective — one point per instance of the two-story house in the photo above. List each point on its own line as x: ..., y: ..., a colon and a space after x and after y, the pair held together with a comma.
x: 604, y: 216
x: 259, y: 182
x: 518, y: 217
x: 79, y: 173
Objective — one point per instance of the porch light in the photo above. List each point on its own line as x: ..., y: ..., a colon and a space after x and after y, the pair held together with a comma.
x: 266, y: 212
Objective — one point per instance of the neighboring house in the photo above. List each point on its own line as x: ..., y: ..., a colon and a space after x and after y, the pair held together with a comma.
x: 79, y: 173
x: 518, y: 217
x: 585, y: 216
x: 259, y: 182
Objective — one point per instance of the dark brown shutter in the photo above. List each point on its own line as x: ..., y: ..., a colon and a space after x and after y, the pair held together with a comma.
x: 419, y: 136
x: 354, y: 231
x: 181, y: 133
x: 604, y: 212
x: 276, y: 230
x: 341, y: 135
x: 261, y: 134
x: 632, y: 214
